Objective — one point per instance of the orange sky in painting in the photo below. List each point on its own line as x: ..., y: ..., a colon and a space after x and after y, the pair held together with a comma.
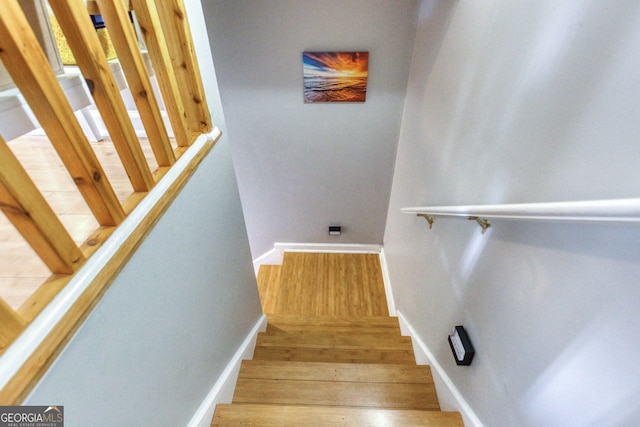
x: 351, y: 64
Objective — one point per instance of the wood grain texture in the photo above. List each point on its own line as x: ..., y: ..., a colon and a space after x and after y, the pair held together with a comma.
x: 124, y: 39
x: 329, y: 284
x: 282, y: 324
x: 23, y: 59
x: 185, y: 64
x: 268, y: 281
x: 21, y: 270
x: 356, y: 346
x: 310, y: 416
x: 12, y: 325
x: 347, y: 369
x: 155, y: 40
x: 335, y: 355
x: 27, y: 209
x: 87, y: 50
x: 334, y: 340
x: 336, y: 393
x: 340, y: 372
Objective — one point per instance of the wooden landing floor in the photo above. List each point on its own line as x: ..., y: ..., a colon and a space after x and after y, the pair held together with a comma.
x: 324, y: 284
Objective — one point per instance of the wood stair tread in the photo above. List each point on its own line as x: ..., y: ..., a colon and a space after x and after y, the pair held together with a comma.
x: 325, y: 324
x: 335, y: 347
x: 335, y: 340
x: 355, y: 321
x: 310, y: 416
x: 268, y: 281
x: 333, y: 393
x: 335, y: 355
x: 339, y: 372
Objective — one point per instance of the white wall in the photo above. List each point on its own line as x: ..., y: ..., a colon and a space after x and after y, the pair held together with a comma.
x: 526, y: 101
x: 155, y: 345
x: 303, y: 166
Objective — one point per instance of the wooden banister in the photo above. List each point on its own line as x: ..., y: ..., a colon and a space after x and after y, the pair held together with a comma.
x: 122, y: 34
x: 24, y: 60
x: 85, y: 45
x: 182, y: 53
x: 156, y: 42
x: 175, y: 67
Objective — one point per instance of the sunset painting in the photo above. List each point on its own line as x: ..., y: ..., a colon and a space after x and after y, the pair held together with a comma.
x: 335, y: 76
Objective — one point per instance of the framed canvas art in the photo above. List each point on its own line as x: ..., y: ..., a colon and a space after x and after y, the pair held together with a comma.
x: 335, y: 76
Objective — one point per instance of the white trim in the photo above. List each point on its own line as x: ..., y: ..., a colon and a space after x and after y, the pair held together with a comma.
x: 273, y: 257
x: 22, y: 348
x: 448, y: 394
x: 328, y: 247
x: 222, y: 390
x: 387, y: 284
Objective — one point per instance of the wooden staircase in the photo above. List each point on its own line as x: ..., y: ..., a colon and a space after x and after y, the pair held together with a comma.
x: 319, y: 370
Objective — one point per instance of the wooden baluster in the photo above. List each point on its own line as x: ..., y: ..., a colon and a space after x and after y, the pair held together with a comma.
x: 123, y: 36
x: 78, y: 29
x: 180, y: 44
x: 26, y: 208
x: 12, y: 325
x: 27, y: 64
x: 154, y: 37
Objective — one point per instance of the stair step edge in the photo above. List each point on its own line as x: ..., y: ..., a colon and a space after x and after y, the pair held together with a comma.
x: 330, y: 393
x: 342, y: 372
x: 277, y: 415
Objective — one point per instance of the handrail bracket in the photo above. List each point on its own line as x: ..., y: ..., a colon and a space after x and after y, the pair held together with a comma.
x: 483, y: 223
x: 429, y: 219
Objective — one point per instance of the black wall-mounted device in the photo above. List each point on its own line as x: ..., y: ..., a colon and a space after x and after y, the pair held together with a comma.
x: 461, y: 346
x: 335, y: 230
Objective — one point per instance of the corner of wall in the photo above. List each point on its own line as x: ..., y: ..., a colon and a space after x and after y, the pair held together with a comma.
x: 387, y: 284
x: 222, y: 390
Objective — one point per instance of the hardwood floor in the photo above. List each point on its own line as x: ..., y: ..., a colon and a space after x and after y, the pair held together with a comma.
x: 21, y: 270
x: 324, y: 284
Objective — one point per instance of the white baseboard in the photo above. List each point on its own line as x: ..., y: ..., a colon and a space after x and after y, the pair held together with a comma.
x: 448, y: 394
x: 328, y: 247
x: 275, y: 255
x: 387, y: 284
x: 222, y: 391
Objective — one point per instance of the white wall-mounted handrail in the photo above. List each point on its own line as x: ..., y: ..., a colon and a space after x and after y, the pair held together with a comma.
x: 615, y: 210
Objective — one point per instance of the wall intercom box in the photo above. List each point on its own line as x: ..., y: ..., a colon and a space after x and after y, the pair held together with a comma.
x: 461, y: 346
